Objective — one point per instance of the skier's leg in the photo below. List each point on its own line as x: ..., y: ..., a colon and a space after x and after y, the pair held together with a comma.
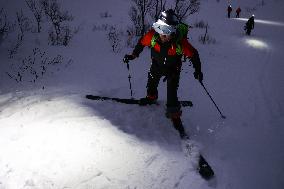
x: 248, y: 31
x: 154, y: 77
x: 173, y: 106
x: 152, y: 84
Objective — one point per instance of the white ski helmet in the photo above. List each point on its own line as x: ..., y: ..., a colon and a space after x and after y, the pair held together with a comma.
x: 167, y: 23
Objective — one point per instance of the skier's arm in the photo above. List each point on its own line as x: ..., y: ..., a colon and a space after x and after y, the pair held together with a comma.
x: 196, y: 61
x: 135, y: 53
x: 197, y: 66
x: 190, y: 52
x: 138, y: 48
x: 143, y: 41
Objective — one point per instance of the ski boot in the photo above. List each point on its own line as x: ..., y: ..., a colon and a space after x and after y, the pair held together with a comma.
x: 179, y: 127
x: 148, y: 100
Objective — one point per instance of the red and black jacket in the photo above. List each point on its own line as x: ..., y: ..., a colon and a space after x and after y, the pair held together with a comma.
x: 166, y: 53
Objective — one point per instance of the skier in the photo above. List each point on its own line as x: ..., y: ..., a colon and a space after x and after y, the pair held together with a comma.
x: 229, y: 9
x: 249, y: 25
x: 238, y: 11
x: 167, y: 49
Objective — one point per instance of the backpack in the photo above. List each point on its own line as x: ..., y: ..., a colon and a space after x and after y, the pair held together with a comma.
x: 181, y: 32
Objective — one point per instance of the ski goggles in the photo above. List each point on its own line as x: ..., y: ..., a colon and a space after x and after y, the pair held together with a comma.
x: 163, y: 28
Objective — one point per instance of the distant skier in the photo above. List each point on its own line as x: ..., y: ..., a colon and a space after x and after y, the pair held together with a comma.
x: 168, y: 45
x: 249, y: 25
x: 238, y: 11
x: 229, y: 9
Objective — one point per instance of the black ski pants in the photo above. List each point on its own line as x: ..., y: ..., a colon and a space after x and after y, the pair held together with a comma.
x: 248, y: 30
x: 172, y: 75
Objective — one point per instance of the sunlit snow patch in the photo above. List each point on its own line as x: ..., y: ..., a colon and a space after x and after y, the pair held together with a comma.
x: 56, y: 142
x: 256, y: 43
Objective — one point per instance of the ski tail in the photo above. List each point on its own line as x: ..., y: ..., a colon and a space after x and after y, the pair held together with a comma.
x: 121, y: 100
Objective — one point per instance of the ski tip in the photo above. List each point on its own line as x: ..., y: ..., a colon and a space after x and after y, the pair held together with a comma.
x: 92, y: 97
x: 89, y: 96
x: 206, y: 174
x: 204, y: 169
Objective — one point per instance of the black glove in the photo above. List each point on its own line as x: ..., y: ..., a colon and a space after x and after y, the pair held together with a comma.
x: 128, y: 57
x: 198, y: 75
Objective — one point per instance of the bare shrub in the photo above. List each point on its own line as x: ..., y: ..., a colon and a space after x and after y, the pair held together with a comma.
x: 63, y: 38
x: 200, y: 24
x: 35, y: 66
x: 57, y: 17
x: 114, y: 37
x: 184, y: 8
x: 4, y: 25
x: 105, y: 15
x: 158, y: 7
x: 206, y: 38
x: 23, y: 25
x: 131, y: 39
x: 138, y: 12
x: 15, y: 47
x: 37, y: 10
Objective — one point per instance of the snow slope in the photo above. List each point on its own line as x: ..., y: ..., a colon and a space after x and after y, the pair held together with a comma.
x: 51, y: 137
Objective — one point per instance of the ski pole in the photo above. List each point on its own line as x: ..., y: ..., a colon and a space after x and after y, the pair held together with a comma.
x: 129, y: 79
x: 224, y: 117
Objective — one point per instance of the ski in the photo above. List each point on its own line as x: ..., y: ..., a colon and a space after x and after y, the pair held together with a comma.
x: 204, y: 169
x: 191, y: 150
x: 183, y: 103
